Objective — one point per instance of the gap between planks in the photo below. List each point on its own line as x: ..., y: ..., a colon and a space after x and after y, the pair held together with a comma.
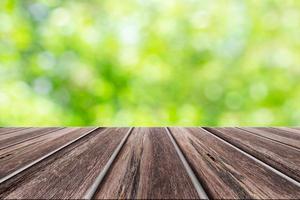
x: 201, y: 192
x: 9, y: 176
x: 31, y: 138
x: 93, y: 189
x: 288, y: 178
x: 275, y: 141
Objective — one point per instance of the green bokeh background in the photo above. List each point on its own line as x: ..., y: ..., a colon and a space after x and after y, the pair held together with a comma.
x: 149, y: 62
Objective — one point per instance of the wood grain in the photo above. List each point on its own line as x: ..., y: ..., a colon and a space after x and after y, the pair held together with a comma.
x: 148, y: 167
x: 286, y: 137
x: 19, y: 155
x: 4, y: 131
x: 226, y: 173
x: 69, y: 172
x: 290, y: 129
x: 281, y: 157
x: 23, y: 135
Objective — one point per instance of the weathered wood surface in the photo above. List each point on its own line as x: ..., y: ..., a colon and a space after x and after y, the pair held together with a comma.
x: 291, y: 137
x: 148, y: 167
x: 68, y: 173
x: 230, y: 163
x: 294, y: 130
x: 23, y: 135
x: 4, y: 131
x: 281, y: 157
x: 226, y: 172
x: 16, y: 156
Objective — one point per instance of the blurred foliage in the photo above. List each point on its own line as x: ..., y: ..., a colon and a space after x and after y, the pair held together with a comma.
x: 149, y: 62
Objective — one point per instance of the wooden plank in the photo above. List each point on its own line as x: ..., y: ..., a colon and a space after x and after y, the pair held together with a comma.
x: 23, y: 135
x: 289, y: 129
x: 4, y: 131
x: 279, y: 156
x: 282, y: 136
x: 227, y: 173
x: 12, y: 132
x: 297, y: 128
x: 147, y: 167
x: 19, y: 155
x: 69, y: 172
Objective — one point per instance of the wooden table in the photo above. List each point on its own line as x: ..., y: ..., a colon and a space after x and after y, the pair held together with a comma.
x: 151, y: 163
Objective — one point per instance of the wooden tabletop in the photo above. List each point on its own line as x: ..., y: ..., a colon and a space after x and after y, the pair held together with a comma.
x: 150, y: 163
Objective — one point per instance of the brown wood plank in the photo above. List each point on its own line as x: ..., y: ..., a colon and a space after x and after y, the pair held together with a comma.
x: 12, y: 132
x: 279, y: 156
x: 4, y: 131
x: 226, y: 173
x: 282, y: 136
x: 290, y: 129
x: 147, y: 167
x: 23, y: 135
x: 297, y: 128
x: 19, y: 155
x: 68, y: 173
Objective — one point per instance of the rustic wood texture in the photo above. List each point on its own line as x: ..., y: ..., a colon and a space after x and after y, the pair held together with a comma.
x: 148, y: 167
x: 281, y: 157
x: 23, y: 135
x: 226, y: 172
x: 230, y: 163
x: 68, y: 173
x: 291, y: 138
x: 4, y: 131
x: 16, y: 156
x: 294, y: 130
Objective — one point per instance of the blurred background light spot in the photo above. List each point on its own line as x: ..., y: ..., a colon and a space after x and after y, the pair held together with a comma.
x: 46, y: 60
x: 258, y: 91
x: 234, y: 100
x: 5, y: 23
x: 91, y: 35
x: 42, y: 85
x: 201, y: 19
x: 129, y: 33
x: 3, y: 99
x: 129, y: 58
x: 60, y: 17
x: 81, y: 75
x: 188, y: 114
x: 39, y: 11
x: 213, y: 91
x: 262, y: 116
